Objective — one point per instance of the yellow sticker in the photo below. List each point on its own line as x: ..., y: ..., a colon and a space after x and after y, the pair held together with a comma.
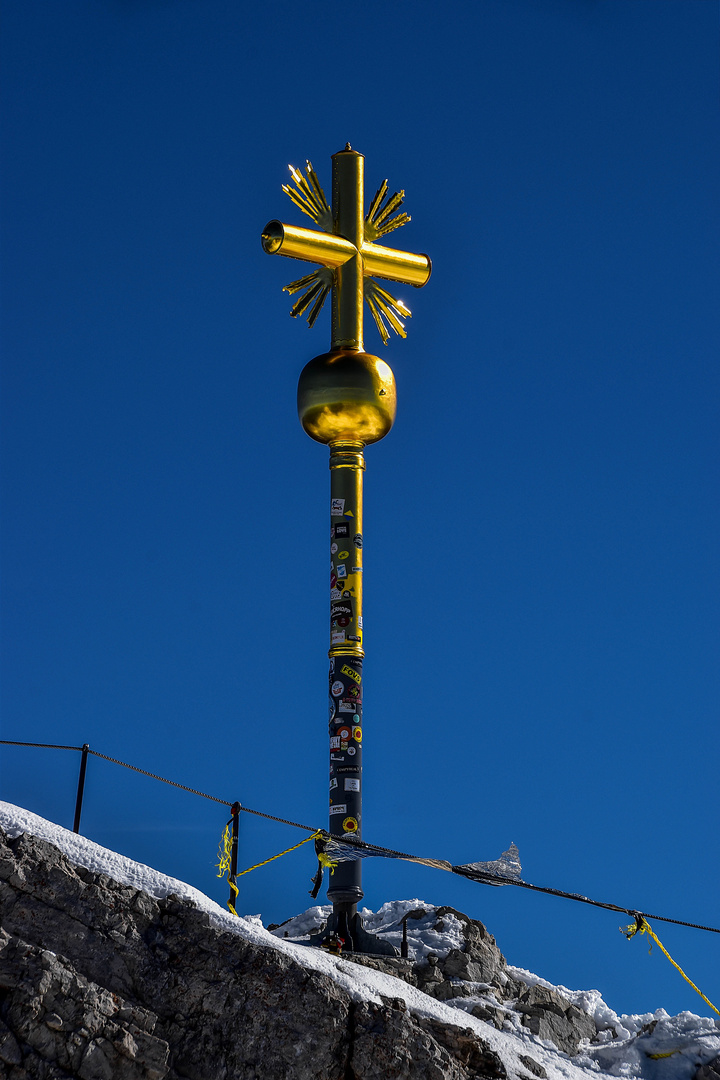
x: 357, y: 734
x: 345, y: 670
x: 350, y: 824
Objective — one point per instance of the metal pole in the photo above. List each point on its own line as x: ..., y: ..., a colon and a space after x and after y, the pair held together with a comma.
x: 81, y: 787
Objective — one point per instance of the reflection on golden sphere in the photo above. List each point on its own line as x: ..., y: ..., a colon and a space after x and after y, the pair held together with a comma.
x: 347, y: 396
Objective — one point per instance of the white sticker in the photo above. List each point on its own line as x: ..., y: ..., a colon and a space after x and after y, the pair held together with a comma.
x: 351, y: 750
x: 351, y: 785
x: 360, y: 618
x: 334, y: 742
x: 337, y: 637
x: 337, y: 688
x: 341, y: 571
x: 337, y: 507
x: 333, y: 783
x: 333, y: 548
x: 335, y: 594
x: 341, y: 809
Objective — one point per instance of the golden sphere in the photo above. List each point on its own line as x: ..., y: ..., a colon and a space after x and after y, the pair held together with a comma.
x: 347, y: 396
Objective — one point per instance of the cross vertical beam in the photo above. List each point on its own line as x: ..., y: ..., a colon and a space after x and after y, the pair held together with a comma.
x: 348, y: 199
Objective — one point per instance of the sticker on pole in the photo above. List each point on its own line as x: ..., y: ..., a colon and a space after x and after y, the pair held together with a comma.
x: 337, y: 507
x: 349, y: 824
x: 343, y: 733
x: 351, y: 784
x: 337, y: 688
x: 357, y: 734
x: 351, y: 673
x: 341, y: 808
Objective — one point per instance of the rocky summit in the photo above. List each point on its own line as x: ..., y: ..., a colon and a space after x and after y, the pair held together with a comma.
x: 101, y: 981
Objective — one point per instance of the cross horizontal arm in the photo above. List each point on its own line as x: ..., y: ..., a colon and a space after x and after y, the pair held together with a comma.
x: 333, y: 251
x: 396, y: 265
x: 306, y: 244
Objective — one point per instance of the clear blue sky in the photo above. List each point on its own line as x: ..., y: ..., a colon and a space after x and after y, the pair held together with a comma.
x: 541, y: 579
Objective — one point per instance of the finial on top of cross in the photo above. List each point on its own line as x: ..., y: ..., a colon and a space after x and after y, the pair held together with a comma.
x: 346, y: 251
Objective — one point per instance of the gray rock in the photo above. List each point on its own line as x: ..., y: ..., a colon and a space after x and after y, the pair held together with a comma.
x: 101, y: 982
x: 533, y: 1066
x: 550, y: 1015
x: 490, y: 1014
x: 711, y: 1071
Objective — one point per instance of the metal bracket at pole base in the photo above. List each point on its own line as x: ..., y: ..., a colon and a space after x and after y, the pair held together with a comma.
x: 345, y: 923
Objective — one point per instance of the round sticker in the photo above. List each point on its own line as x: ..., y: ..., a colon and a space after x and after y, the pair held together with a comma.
x: 357, y: 734
x: 337, y: 688
x: 333, y: 548
x: 350, y: 825
x: 357, y: 540
x: 343, y: 555
x: 343, y: 620
x: 351, y: 750
x: 343, y: 732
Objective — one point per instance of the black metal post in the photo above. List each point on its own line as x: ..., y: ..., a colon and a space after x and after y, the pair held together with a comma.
x: 404, y: 943
x: 235, y: 811
x: 81, y: 787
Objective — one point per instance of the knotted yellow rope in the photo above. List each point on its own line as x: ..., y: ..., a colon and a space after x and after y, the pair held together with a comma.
x: 642, y: 926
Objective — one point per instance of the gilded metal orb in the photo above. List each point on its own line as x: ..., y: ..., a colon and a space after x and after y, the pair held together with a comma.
x: 347, y: 396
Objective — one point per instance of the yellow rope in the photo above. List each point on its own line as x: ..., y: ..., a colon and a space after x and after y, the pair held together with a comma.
x: 223, y: 863
x: 642, y: 925
x: 231, y: 903
x: 317, y: 833
x: 326, y: 862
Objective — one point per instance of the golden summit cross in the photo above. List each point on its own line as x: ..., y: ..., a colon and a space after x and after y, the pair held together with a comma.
x: 346, y: 399
x: 346, y: 251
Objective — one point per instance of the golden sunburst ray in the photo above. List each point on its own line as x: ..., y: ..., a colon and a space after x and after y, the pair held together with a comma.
x: 378, y: 221
x: 386, y: 309
x: 316, y: 285
x: 309, y: 196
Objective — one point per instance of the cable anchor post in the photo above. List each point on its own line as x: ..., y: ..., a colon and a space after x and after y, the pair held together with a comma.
x: 235, y: 812
x: 404, y: 942
x: 81, y: 787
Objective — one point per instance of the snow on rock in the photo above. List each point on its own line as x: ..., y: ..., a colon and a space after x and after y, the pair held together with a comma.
x: 623, y: 1043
